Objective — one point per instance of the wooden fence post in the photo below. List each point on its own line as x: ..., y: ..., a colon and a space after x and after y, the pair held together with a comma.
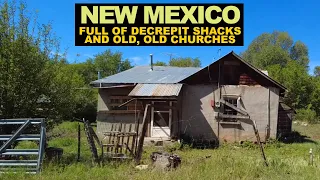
x: 91, y: 141
x: 142, y: 135
x: 79, y: 142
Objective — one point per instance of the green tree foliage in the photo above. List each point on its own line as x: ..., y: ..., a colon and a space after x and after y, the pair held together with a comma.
x: 315, y: 96
x: 160, y: 63
x: 180, y: 62
x: 299, y: 52
x: 185, y: 62
x: 35, y: 81
x: 307, y: 115
x: 297, y: 81
x: 24, y: 63
x: 107, y: 62
x: 317, y: 71
x: 275, y: 48
x: 287, y: 62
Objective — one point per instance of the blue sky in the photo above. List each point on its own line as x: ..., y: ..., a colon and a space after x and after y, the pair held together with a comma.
x: 299, y: 18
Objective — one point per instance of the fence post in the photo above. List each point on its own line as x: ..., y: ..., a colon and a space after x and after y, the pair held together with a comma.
x: 79, y: 142
x: 311, y: 156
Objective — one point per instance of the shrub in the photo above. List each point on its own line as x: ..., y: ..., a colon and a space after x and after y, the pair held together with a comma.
x: 307, y: 115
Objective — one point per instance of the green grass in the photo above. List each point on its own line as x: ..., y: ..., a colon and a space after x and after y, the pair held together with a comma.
x: 286, y: 161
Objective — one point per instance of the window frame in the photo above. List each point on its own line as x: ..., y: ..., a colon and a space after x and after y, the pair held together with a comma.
x: 234, y: 101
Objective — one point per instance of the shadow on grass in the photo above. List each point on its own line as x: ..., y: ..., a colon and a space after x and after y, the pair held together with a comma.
x: 198, y: 142
x: 295, y: 137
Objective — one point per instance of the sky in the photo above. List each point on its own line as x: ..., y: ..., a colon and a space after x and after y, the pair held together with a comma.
x: 299, y: 18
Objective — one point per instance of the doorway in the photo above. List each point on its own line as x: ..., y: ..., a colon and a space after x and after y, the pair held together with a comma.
x: 161, y: 117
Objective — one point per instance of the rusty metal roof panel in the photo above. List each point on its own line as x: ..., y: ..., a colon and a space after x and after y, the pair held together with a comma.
x: 156, y: 90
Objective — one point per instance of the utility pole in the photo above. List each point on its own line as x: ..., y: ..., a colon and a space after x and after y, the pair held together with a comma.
x: 170, y: 55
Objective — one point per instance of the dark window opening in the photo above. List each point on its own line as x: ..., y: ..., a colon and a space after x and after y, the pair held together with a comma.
x: 161, y: 119
x: 228, y: 110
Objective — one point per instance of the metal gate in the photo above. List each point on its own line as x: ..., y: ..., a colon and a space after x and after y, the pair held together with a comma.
x: 28, y: 160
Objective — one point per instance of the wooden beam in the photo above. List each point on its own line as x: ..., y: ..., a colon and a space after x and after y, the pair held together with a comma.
x: 142, y: 135
x: 168, y: 107
x: 90, y: 139
x: 256, y: 132
x: 119, y: 97
x: 118, y: 112
x: 135, y: 138
x: 227, y: 116
x: 230, y: 123
x: 234, y: 107
x: 123, y: 104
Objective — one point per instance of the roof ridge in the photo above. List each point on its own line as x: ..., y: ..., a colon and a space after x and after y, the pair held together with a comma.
x: 246, y: 63
x: 165, y: 66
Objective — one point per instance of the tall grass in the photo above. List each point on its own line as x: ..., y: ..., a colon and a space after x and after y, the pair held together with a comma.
x: 232, y: 161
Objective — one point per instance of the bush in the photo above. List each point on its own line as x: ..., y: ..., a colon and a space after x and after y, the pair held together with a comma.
x: 307, y: 115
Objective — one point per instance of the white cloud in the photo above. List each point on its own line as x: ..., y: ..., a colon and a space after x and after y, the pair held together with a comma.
x: 136, y: 60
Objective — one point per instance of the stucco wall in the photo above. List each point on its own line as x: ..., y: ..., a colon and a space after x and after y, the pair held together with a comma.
x: 198, y: 117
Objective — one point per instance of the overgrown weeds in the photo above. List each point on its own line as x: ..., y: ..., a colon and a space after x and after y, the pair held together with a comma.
x: 229, y: 161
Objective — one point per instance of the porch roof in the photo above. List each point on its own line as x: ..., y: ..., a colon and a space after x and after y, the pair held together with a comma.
x: 156, y: 90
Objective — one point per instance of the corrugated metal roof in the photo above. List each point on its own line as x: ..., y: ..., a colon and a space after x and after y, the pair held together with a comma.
x: 156, y: 90
x: 143, y: 74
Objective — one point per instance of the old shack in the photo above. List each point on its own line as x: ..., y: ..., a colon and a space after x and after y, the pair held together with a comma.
x: 217, y: 102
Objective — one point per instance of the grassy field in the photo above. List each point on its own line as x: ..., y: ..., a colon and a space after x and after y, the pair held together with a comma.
x: 286, y: 161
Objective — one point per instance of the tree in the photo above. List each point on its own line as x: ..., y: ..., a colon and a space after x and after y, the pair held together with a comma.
x: 299, y: 52
x: 160, y: 63
x: 317, y: 71
x: 185, y: 62
x: 109, y: 63
x: 275, y: 48
x: 24, y: 62
x: 35, y: 81
x: 85, y: 99
x: 315, y: 96
x: 287, y: 62
x: 297, y: 81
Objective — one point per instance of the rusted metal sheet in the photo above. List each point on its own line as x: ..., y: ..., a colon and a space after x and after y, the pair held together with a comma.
x: 156, y: 90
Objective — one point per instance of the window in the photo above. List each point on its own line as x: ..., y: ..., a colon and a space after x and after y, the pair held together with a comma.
x: 228, y: 110
x: 161, y: 119
x: 161, y: 114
